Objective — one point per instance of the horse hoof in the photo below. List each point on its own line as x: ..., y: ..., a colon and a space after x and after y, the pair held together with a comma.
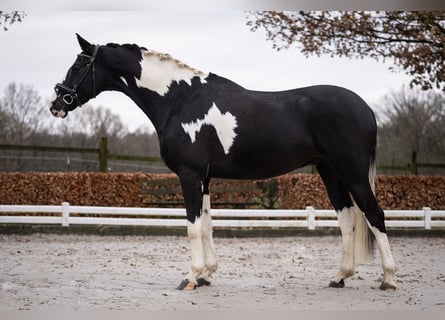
x: 203, y: 282
x: 388, y: 287
x: 334, y: 284
x: 186, y: 285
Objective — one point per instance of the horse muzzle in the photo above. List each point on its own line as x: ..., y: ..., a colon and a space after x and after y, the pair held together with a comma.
x: 58, y: 109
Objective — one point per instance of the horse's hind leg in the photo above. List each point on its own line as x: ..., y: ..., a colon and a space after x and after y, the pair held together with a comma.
x: 340, y: 199
x: 367, y: 202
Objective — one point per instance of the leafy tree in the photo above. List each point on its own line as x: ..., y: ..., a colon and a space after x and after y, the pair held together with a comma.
x: 9, y: 18
x: 415, y: 41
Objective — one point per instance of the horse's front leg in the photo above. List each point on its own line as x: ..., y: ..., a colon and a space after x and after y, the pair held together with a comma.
x: 210, y: 257
x: 199, y: 230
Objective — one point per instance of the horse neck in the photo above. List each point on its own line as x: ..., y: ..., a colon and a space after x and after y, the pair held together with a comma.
x: 163, y: 84
x: 154, y: 107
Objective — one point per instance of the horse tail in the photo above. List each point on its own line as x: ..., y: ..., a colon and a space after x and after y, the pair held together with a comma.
x: 363, y: 237
x: 372, y: 170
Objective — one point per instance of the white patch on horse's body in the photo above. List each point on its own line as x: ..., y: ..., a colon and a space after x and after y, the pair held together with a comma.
x: 124, y: 81
x: 224, y: 124
x: 159, y: 70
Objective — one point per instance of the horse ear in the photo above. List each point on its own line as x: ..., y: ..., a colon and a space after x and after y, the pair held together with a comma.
x: 85, y: 45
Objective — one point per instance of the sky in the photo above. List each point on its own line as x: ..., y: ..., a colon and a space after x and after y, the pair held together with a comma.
x: 40, y: 50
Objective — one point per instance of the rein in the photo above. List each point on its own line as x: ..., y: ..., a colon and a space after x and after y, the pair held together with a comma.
x: 69, y: 94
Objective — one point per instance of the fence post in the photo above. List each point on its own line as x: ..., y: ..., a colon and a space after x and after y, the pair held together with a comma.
x: 414, y: 163
x: 103, y: 155
x: 65, y: 214
x: 427, y: 217
x: 310, y: 218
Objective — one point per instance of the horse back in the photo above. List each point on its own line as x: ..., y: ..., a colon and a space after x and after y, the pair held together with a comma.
x: 240, y: 133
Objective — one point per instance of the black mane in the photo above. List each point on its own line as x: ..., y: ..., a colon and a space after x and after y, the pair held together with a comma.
x: 132, y: 47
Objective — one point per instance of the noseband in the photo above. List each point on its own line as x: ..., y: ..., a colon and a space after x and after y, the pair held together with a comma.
x: 69, y: 94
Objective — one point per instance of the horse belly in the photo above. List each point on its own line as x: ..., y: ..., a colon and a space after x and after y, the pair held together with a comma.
x: 264, y: 159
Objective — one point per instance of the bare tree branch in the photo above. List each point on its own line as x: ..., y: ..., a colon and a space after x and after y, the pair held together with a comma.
x: 9, y: 18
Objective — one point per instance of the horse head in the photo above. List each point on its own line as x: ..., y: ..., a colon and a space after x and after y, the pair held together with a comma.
x: 80, y: 84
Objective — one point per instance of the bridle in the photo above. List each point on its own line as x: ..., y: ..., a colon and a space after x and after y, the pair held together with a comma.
x: 69, y: 94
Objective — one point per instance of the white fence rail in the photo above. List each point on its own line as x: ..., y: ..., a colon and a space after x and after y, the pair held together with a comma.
x: 222, y: 218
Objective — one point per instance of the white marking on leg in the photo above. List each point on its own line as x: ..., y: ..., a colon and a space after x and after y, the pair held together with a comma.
x: 346, y: 222
x: 388, y: 264
x: 158, y: 71
x: 210, y: 257
x: 194, y: 231
x: 224, y: 124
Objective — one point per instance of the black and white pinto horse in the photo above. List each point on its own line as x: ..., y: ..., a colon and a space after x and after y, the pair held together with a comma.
x: 209, y: 126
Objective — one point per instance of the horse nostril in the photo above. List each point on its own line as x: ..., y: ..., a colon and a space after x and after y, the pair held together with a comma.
x: 58, y: 113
